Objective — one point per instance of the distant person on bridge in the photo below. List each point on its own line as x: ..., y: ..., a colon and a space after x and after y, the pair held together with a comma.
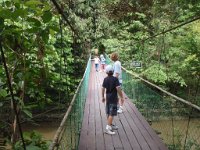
x: 103, y: 62
x: 96, y: 62
x: 118, y: 74
x: 112, y: 87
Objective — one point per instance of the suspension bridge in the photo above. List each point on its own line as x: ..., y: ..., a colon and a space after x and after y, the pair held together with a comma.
x: 153, y: 119
x: 146, y: 105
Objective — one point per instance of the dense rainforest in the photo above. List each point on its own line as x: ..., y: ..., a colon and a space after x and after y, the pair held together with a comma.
x: 45, y: 45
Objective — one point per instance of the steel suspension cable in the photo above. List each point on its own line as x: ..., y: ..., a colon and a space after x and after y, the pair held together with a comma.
x: 160, y: 53
x: 172, y: 116
x: 61, y: 53
x: 195, y: 18
x: 189, y: 118
x: 11, y: 92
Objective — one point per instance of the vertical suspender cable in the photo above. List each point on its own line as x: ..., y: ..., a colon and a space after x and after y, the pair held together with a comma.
x: 172, y: 105
x: 61, y: 40
x: 189, y: 119
x: 11, y: 92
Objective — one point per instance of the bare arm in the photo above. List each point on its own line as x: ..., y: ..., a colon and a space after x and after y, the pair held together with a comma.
x: 117, y: 75
x: 119, y: 91
x: 102, y: 92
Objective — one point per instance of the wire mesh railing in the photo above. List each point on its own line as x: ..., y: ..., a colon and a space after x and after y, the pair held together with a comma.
x: 175, y: 120
x: 68, y: 133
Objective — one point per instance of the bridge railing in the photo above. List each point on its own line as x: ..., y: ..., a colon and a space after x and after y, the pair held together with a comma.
x: 68, y: 133
x: 174, y: 119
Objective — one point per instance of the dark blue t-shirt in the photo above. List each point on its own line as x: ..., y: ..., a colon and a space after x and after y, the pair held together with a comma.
x: 110, y: 83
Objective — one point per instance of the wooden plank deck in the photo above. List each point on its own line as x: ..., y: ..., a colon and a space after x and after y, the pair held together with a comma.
x: 134, y: 132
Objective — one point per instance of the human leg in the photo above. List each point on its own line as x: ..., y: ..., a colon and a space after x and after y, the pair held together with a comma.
x: 102, y: 67
x: 111, y: 111
x: 96, y: 67
x: 120, y: 103
x: 110, y: 120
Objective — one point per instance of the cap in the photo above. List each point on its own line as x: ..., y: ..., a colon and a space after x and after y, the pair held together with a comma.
x: 109, y: 68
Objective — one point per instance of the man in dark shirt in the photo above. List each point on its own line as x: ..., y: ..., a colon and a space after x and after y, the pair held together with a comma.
x: 112, y: 87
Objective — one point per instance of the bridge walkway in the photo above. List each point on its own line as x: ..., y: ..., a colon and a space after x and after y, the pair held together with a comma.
x: 134, y: 131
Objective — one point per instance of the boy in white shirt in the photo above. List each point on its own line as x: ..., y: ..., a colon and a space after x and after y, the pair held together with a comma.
x: 96, y: 62
x: 118, y: 74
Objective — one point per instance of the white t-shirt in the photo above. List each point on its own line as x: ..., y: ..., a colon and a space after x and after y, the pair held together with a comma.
x: 117, y: 69
x: 96, y: 60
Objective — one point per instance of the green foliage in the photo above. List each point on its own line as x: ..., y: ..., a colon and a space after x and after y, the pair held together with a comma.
x: 32, y: 34
x: 3, y: 93
x: 192, y: 144
x: 156, y: 73
x: 44, y: 66
x: 33, y: 141
x: 167, y: 59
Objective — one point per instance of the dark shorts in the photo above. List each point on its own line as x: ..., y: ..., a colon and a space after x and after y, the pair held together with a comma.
x: 111, y: 109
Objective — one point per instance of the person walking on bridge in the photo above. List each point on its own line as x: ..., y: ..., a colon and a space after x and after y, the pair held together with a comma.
x: 118, y: 74
x: 112, y: 87
x: 96, y: 62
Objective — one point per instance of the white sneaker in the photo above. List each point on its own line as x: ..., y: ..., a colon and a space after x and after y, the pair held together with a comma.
x: 114, y: 127
x: 109, y: 130
x: 121, y: 107
x: 119, y: 110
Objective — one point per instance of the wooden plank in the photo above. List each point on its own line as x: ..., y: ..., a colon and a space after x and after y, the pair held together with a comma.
x: 133, y: 134
x: 107, y: 138
x: 142, y: 135
x: 145, y: 124
x: 84, y: 128
x: 116, y: 140
x: 91, y: 127
x: 122, y: 135
x: 100, y: 145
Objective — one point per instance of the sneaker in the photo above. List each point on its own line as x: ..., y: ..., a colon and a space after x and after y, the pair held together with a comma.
x: 119, y: 111
x: 121, y: 107
x: 109, y: 130
x: 114, y: 127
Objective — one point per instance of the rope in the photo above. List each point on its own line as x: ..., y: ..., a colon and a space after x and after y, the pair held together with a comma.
x: 12, y: 95
x: 171, y: 29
